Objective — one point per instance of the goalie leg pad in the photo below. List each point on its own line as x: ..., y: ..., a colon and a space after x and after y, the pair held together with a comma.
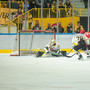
x: 39, y: 54
x: 63, y: 53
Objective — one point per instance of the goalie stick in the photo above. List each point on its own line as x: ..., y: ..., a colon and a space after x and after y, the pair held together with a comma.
x: 64, y: 54
x: 71, y: 55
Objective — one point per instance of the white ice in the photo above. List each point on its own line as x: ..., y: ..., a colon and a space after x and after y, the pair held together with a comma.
x: 30, y: 73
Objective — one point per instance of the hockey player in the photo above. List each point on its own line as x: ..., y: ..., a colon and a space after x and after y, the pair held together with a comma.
x: 87, y: 35
x: 51, y: 48
x: 79, y: 43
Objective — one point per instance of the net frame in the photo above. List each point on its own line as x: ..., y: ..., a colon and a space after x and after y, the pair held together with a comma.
x: 24, y: 31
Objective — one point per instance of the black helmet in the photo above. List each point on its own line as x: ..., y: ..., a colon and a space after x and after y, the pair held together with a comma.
x: 77, y: 31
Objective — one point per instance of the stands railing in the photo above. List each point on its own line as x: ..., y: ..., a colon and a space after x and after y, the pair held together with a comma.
x: 15, y: 22
x: 36, y: 13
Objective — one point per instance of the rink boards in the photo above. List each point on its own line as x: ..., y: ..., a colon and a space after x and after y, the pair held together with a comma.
x: 7, y: 41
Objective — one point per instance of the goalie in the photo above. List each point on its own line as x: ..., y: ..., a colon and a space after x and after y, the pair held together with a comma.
x: 50, y: 49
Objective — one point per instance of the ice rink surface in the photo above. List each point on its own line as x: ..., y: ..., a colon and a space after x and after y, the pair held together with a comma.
x: 30, y: 73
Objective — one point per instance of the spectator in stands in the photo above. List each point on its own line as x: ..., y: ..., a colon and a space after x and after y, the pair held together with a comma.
x: 68, y: 6
x: 78, y: 27
x: 60, y: 28
x: 46, y: 11
x: 49, y: 26
x: 32, y: 4
x: 14, y: 5
x: 47, y: 1
x: 69, y: 28
x: 37, y: 26
x: 4, y: 4
x: 62, y: 9
x: 61, y: 5
x: 39, y: 5
x: 48, y: 5
x: 18, y: 13
x: 53, y: 15
x: 20, y: 4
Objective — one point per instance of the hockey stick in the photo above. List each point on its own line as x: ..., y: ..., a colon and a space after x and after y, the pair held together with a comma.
x: 71, y: 55
x: 58, y: 55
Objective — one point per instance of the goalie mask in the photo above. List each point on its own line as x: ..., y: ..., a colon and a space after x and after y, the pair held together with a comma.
x: 53, y: 42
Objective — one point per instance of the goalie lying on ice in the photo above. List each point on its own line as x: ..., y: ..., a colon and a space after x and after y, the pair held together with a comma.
x: 50, y: 49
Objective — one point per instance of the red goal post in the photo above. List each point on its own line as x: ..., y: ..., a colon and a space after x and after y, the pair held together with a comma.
x: 19, y: 40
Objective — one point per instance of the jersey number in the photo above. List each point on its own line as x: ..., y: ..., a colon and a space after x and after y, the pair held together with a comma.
x: 79, y: 37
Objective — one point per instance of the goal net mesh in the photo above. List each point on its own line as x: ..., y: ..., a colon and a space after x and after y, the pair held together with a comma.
x: 31, y: 41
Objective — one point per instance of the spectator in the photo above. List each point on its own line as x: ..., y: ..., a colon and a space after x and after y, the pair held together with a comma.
x: 18, y: 13
x: 53, y: 15
x: 78, y: 27
x: 68, y: 6
x: 20, y: 4
x: 46, y: 11
x: 62, y: 9
x: 32, y: 4
x: 69, y: 28
x: 14, y: 5
x: 37, y: 26
x: 48, y: 5
x: 39, y: 5
x: 61, y: 5
x: 60, y: 28
x: 4, y: 4
x: 49, y: 27
x: 47, y: 1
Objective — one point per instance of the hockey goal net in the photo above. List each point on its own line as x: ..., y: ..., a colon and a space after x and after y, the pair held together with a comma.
x: 31, y: 41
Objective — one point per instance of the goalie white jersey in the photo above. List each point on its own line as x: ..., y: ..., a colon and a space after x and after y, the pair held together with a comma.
x: 52, y: 45
x: 76, y: 38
